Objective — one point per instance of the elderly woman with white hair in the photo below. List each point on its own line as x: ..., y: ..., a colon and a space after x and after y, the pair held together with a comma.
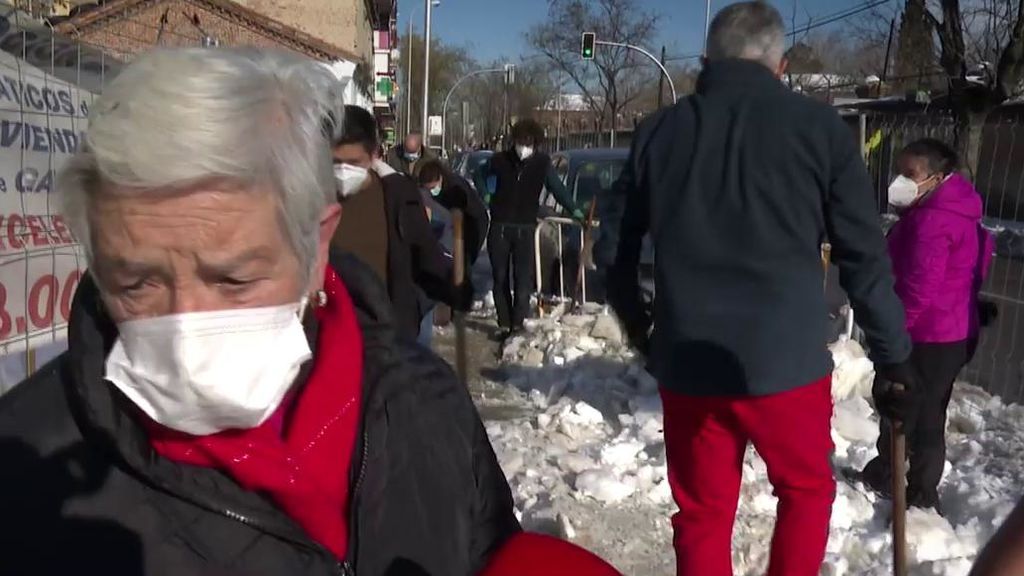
x: 231, y: 402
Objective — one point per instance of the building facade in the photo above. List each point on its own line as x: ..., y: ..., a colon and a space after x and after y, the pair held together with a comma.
x: 355, y: 38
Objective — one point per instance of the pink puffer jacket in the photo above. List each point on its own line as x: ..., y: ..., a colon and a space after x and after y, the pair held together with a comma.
x: 940, y: 256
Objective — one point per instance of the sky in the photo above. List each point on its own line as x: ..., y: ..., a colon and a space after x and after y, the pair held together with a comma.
x: 495, y: 29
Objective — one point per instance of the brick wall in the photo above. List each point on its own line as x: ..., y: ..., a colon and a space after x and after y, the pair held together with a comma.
x: 135, y: 32
x: 342, y: 23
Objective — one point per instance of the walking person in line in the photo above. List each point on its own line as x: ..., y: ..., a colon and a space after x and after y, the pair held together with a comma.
x: 522, y: 172
x: 940, y: 255
x: 455, y: 193
x: 739, y: 185
x: 408, y: 156
x: 385, y: 223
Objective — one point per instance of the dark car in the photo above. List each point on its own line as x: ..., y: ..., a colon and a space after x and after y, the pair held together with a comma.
x: 588, y: 174
x: 469, y: 163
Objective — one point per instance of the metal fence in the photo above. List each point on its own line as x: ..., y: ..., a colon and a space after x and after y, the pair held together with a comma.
x: 583, y: 140
x: 998, y: 365
x: 47, y: 85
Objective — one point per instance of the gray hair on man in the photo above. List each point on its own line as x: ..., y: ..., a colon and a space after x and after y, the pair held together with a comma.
x: 748, y: 31
x: 244, y: 116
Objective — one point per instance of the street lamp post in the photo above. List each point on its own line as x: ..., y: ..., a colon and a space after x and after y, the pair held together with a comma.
x: 428, y: 6
x: 408, y: 84
x: 707, y: 24
x: 447, y: 98
x: 408, y: 80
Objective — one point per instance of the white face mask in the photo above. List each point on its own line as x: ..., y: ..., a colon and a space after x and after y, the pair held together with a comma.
x: 351, y: 177
x: 524, y: 152
x: 436, y: 190
x: 206, y: 372
x: 902, y: 192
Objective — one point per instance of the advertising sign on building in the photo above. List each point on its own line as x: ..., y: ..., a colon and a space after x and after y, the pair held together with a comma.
x: 47, y: 86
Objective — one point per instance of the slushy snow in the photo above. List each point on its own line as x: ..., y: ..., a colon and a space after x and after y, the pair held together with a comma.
x: 581, y: 442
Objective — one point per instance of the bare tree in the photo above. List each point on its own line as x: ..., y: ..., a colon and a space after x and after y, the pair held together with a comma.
x: 447, y: 64
x: 915, y: 48
x: 972, y: 103
x: 616, y: 77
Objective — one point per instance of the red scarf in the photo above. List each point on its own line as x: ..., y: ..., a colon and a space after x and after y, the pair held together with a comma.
x: 301, y: 462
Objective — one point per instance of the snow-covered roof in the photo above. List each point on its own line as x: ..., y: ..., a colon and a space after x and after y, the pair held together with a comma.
x: 569, y: 103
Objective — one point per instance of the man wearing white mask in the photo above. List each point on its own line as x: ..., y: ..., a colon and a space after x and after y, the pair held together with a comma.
x: 232, y: 401
x: 385, y: 224
x: 521, y: 173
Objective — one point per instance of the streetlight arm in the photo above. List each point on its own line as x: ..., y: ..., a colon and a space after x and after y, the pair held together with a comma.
x: 671, y: 84
x: 447, y: 98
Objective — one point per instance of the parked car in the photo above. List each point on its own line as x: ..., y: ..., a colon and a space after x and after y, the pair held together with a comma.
x: 589, y: 174
x: 470, y: 162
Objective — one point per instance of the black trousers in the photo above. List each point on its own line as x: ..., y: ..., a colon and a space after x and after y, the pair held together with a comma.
x: 937, y: 366
x: 512, y: 258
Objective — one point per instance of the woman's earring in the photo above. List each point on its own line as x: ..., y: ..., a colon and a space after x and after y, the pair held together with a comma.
x: 321, y: 298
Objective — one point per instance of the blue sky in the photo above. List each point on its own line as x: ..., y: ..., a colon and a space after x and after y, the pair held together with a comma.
x: 495, y: 28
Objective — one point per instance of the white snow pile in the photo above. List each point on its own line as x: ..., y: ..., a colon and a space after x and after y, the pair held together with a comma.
x: 586, y: 460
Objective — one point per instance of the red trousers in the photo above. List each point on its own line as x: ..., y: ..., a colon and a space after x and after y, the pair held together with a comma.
x: 705, y: 440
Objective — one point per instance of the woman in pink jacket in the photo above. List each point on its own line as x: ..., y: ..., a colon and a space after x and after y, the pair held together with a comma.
x: 940, y: 255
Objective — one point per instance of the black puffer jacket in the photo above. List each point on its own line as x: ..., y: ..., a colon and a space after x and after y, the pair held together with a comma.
x: 82, y: 492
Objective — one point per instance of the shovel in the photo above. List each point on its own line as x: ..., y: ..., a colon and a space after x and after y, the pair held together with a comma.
x: 899, y: 499
x: 586, y: 252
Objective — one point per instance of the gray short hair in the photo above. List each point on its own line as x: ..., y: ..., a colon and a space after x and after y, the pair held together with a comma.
x: 178, y: 117
x: 748, y: 31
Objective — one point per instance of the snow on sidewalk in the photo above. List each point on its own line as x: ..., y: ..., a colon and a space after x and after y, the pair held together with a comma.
x: 586, y: 460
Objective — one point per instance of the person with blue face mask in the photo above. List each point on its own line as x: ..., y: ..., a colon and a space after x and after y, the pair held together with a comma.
x: 455, y: 193
x: 408, y: 156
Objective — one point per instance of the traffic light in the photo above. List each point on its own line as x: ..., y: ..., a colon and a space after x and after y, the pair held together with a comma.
x: 589, y: 40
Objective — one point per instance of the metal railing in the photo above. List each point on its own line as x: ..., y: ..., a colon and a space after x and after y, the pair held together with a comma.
x: 558, y: 223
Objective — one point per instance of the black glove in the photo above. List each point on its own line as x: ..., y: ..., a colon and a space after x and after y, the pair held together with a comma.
x: 987, y: 313
x: 894, y: 389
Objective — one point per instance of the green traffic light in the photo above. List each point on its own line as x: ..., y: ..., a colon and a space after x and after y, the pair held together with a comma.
x: 587, y: 52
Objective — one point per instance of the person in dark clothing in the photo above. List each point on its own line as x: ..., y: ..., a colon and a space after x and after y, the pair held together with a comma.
x: 521, y: 174
x: 384, y: 220
x: 941, y: 255
x: 455, y: 193
x: 739, y: 185
x: 235, y: 399
x: 1004, y: 553
x: 407, y: 157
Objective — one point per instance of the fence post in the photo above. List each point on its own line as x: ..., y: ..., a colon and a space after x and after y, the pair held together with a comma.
x: 863, y: 135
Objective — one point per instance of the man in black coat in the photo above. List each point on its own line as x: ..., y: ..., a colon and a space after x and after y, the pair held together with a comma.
x: 739, y: 186
x: 384, y: 222
x: 455, y: 193
x: 522, y: 172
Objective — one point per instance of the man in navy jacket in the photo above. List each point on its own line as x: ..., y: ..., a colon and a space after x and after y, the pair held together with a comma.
x: 739, y: 186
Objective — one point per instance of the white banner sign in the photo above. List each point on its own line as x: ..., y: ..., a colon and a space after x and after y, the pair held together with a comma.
x: 42, y: 120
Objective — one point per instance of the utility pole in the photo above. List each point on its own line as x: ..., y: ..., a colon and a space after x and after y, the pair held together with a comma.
x: 661, y: 80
